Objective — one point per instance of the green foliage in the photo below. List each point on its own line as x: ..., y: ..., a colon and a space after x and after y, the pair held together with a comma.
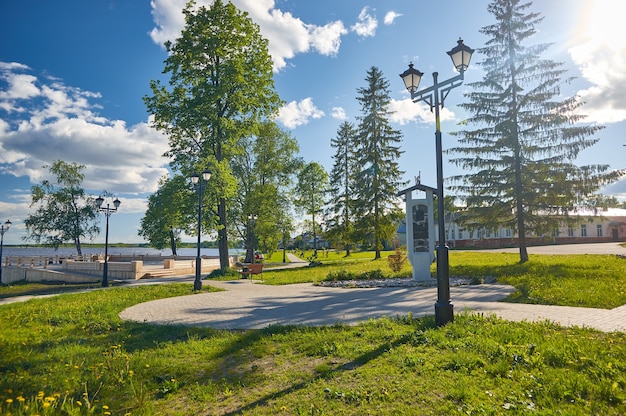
x: 379, y: 175
x: 520, y: 156
x: 310, y: 193
x: 71, y: 354
x: 173, y: 205
x: 265, y: 169
x: 341, y: 190
x: 220, y: 88
x: 63, y: 212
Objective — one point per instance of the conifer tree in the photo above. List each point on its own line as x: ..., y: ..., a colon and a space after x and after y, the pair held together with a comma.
x: 340, y: 211
x: 520, y: 156
x: 379, y: 175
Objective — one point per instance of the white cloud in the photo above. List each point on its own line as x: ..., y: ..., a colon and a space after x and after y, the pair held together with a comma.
x: 287, y: 34
x: 406, y: 111
x: 599, y: 55
x: 327, y: 39
x: 295, y: 114
x: 366, y: 25
x: 390, y: 17
x: 57, y: 122
x: 339, y: 113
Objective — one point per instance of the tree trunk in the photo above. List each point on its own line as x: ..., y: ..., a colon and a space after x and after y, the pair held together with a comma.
x: 79, y: 250
x: 222, y: 235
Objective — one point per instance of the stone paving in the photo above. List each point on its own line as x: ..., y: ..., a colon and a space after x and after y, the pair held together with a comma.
x: 245, y: 304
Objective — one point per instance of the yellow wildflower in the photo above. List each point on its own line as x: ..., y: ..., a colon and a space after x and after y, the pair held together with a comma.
x: 9, y: 401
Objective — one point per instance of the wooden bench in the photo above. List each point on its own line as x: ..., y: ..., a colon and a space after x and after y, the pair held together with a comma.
x: 250, y: 269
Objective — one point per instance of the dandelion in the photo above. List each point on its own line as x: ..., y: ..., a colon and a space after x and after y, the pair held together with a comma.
x: 283, y: 408
x: 21, y: 399
x: 79, y: 403
x: 10, y: 391
x: 9, y: 401
x: 46, y: 404
x: 40, y: 395
x: 105, y: 407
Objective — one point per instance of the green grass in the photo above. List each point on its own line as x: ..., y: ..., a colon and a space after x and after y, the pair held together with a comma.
x: 594, y: 281
x: 71, y: 354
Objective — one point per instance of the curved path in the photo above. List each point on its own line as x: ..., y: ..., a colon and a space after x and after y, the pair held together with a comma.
x: 245, y: 304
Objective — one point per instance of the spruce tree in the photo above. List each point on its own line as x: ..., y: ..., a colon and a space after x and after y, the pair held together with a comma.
x: 520, y: 156
x: 340, y: 213
x: 379, y: 176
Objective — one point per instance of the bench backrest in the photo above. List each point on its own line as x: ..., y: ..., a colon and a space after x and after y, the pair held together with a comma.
x: 255, y: 268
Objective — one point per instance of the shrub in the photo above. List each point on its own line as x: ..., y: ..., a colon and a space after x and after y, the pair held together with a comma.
x: 396, y: 260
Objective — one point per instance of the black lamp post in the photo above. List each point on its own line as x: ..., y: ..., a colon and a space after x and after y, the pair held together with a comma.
x: 3, y: 229
x: 434, y: 96
x: 252, y: 218
x: 199, y: 185
x: 107, y: 212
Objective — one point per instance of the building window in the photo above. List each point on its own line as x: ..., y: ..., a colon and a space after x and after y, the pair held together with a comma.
x: 471, y: 234
x: 507, y: 232
x: 599, y: 230
x: 460, y: 234
x: 487, y: 233
x: 583, y: 230
x: 570, y: 231
x: 453, y: 234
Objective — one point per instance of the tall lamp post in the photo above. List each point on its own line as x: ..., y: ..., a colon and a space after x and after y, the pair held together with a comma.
x: 3, y: 229
x: 252, y: 218
x: 434, y: 96
x: 199, y: 185
x: 107, y: 212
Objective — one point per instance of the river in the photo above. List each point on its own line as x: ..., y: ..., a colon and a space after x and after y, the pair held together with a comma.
x: 113, y: 251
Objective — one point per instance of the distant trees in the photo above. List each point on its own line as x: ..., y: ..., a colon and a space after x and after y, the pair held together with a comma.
x: 220, y: 88
x: 379, y: 176
x: 63, y: 211
x: 520, y: 156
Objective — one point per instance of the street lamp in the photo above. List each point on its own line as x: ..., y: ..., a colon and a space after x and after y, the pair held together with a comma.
x: 252, y: 218
x: 107, y: 212
x: 434, y: 96
x: 199, y: 185
x: 3, y: 229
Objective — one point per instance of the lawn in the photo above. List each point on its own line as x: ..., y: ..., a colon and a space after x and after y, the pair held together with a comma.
x: 71, y: 354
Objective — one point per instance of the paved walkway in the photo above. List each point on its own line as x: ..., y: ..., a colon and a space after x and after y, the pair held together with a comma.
x: 245, y: 304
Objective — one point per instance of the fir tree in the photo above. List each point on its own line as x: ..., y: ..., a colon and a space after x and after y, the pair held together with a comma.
x: 340, y: 211
x: 520, y: 157
x: 379, y: 176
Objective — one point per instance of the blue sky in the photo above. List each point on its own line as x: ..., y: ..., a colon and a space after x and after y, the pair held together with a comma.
x: 73, y: 74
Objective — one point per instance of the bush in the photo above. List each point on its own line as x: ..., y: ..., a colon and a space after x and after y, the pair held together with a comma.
x: 396, y: 260
x: 219, y: 273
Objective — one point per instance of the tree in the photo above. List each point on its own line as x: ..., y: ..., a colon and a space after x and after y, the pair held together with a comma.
x: 221, y: 87
x: 520, y: 157
x: 169, y: 207
x: 264, y: 171
x: 342, y: 187
x: 310, y: 193
x: 379, y: 176
x: 64, y: 212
